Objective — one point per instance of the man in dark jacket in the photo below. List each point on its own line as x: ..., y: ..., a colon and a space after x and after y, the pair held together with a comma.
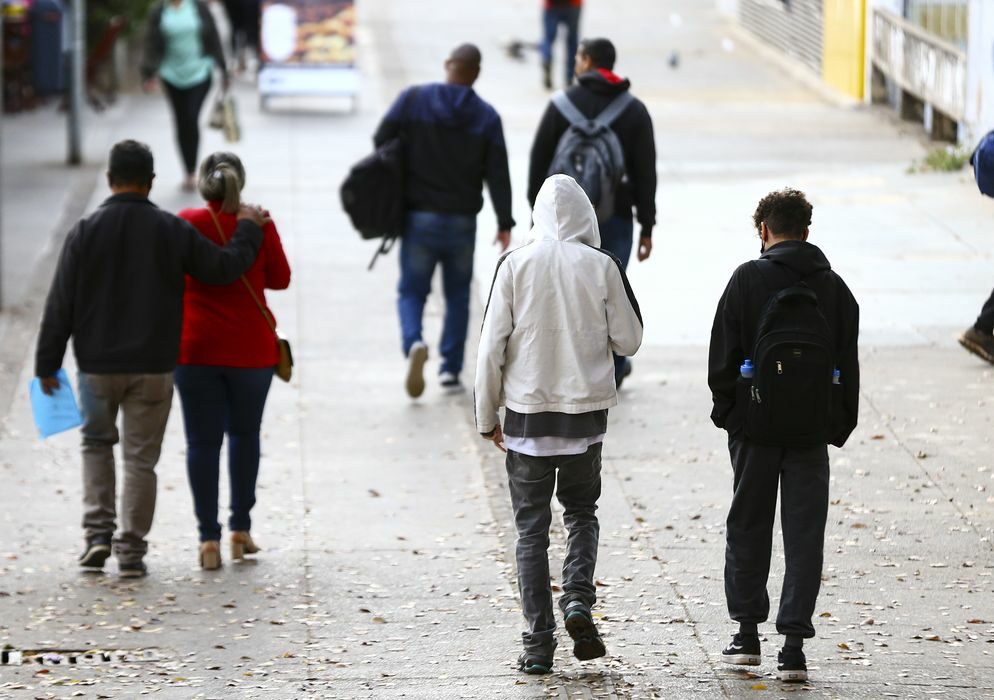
x: 802, y: 473
x: 455, y: 142
x: 597, y: 87
x: 118, y: 292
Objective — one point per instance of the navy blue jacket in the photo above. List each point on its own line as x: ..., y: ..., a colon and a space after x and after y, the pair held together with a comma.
x: 455, y: 142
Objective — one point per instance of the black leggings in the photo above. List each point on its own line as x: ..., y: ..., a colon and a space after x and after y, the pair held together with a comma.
x: 186, y: 104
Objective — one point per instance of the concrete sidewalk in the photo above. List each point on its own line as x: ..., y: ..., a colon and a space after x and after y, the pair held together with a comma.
x: 386, y: 570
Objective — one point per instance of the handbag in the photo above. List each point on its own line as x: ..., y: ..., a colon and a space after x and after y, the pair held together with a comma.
x: 284, y: 366
x: 216, y: 120
x: 232, y: 129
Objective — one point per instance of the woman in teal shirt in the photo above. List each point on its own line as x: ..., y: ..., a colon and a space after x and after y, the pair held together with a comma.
x: 182, y: 46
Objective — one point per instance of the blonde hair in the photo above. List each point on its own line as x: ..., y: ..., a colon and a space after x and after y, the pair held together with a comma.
x: 222, y: 177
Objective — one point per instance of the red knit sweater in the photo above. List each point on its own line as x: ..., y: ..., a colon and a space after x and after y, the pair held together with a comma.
x: 222, y: 326
x: 572, y: 3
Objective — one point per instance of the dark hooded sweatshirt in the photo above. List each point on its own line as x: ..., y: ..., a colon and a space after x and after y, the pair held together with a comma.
x: 593, y: 92
x: 455, y: 142
x: 733, y: 335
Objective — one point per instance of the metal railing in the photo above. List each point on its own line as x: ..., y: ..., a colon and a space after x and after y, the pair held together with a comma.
x: 921, y: 63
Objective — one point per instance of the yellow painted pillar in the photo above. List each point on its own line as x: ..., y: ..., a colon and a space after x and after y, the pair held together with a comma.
x: 843, y: 49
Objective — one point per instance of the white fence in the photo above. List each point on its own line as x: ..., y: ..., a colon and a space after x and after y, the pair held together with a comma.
x: 929, y: 68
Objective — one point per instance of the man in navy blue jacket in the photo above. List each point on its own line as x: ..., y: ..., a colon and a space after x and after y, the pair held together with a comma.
x: 455, y: 142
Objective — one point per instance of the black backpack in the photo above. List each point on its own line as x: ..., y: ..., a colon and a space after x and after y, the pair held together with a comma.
x: 373, y: 193
x: 792, y: 392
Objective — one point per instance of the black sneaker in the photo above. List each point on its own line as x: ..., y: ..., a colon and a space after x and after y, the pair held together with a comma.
x: 742, y: 651
x: 132, y: 569
x: 791, y: 665
x: 547, y: 76
x: 450, y: 383
x: 96, y: 553
x: 587, y: 643
x: 979, y: 343
x: 534, y: 665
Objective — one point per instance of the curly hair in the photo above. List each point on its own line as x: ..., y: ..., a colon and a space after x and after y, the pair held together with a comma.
x: 786, y: 213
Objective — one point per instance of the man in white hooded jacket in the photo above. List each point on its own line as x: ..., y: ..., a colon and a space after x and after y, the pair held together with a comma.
x: 559, y: 306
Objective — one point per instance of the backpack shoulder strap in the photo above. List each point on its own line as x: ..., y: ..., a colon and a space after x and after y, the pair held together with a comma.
x: 614, y: 109
x: 568, y: 109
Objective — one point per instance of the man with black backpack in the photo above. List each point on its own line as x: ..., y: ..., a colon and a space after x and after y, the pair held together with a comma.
x: 453, y: 142
x: 784, y: 376
x: 599, y: 134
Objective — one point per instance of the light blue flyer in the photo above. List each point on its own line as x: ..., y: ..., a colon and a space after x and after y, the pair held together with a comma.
x: 58, y: 412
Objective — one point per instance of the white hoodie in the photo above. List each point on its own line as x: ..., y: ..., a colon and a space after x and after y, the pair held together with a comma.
x: 558, y: 308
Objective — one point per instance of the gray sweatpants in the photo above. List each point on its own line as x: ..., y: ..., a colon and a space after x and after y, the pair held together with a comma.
x: 532, y: 482
x: 144, y: 400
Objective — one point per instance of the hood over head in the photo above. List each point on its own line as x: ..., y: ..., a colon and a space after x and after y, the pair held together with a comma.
x: 800, y: 256
x: 564, y: 213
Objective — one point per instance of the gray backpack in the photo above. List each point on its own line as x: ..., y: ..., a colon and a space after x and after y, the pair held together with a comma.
x: 590, y: 152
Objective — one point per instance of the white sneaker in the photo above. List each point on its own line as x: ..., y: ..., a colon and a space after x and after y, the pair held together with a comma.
x: 416, y: 358
x: 450, y: 383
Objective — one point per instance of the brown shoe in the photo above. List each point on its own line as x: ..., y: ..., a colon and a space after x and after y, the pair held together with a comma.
x: 242, y: 544
x: 210, y: 555
x: 979, y: 343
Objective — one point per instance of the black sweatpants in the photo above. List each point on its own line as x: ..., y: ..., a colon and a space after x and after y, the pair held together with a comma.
x: 186, y: 104
x: 985, y: 321
x: 802, y: 477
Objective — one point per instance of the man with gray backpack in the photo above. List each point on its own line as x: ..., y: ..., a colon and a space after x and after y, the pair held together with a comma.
x: 784, y: 376
x: 601, y: 135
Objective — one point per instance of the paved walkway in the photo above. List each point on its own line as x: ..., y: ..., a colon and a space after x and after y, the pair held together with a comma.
x: 386, y: 571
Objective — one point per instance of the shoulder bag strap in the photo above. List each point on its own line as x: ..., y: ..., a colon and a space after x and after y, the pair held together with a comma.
x: 269, y: 320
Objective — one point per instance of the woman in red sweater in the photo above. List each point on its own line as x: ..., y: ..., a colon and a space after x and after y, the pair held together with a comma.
x: 227, y: 357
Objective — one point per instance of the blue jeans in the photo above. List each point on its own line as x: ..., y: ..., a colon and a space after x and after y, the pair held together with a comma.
x: 219, y: 400
x: 430, y: 239
x: 551, y: 19
x: 616, y: 237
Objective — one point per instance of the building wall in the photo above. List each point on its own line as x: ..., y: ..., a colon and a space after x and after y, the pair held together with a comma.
x: 796, y: 27
x: 844, y: 46
x: 980, y: 72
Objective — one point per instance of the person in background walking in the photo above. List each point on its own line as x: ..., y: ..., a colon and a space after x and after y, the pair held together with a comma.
x: 224, y: 29
x: 790, y: 315
x: 118, y: 292
x: 226, y: 359
x: 598, y: 86
x: 455, y: 142
x: 245, y: 17
x: 558, y: 13
x: 978, y: 339
x: 558, y: 307
x: 182, y: 47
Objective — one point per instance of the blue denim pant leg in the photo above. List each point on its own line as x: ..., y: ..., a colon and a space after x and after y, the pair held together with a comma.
x: 216, y: 401
x: 431, y: 239
x: 616, y: 237
x: 551, y: 20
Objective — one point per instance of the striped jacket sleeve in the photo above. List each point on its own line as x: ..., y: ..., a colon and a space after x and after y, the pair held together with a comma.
x: 498, y: 322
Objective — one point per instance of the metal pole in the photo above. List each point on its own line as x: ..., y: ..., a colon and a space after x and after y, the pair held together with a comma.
x: 77, y: 80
